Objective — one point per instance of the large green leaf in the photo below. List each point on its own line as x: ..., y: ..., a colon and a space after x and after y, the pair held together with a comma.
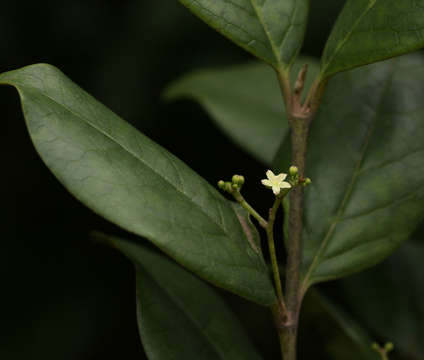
x: 179, y: 316
x: 273, y: 30
x: 372, y: 30
x: 133, y: 182
x: 245, y: 101
x: 366, y: 162
x: 390, y: 299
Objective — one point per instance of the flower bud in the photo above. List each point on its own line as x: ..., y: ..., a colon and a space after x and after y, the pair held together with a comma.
x: 238, y: 179
x: 307, y: 182
x: 389, y: 346
x: 293, y: 171
x: 228, y: 187
x: 221, y: 184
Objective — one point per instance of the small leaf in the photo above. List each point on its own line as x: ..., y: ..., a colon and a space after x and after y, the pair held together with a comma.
x: 372, y: 30
x: 133, y: 182
x: 272, y: 30
x: 367, y: 169
x: 390, y: 299
x: 179, y: 316
x: 245, y: 101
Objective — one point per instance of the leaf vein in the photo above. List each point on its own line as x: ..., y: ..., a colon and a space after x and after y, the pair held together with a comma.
x: 229, y: 22
x: 109, y: 136
x: 192, y: 320
x: 340, y: 46
x: 354, y: 177
x: 395, y: 201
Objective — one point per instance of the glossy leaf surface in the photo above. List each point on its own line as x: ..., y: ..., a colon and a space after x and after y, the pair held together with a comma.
x: 366, y: 163
x: 372, y: 30
x: 393, y: 306
x: 245, y: 101
x: 128, y: 179
x: 273, y: 30
x: 179, y: 316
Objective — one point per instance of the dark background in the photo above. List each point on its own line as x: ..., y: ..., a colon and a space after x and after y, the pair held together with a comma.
x: 61, y: 295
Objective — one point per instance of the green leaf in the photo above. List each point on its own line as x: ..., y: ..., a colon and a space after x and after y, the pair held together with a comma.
x: 338, y: 333
x: 346, y: 328
x: 133, y: 182
x: 372, y: 30
x: 179, y: 316
x: 245, y: 101
x: 272, y: 30
x: 393, y: 306
x: 365, y: 159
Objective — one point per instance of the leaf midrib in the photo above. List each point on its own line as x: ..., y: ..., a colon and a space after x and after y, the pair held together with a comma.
x: 348, y: 35
x: 191, y: 319
x: 85, y: 120
x: 346, y: 197
x: 258, y: 13
x: 227, y: 22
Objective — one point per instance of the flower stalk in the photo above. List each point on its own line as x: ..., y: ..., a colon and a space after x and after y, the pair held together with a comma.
x: 273, y: 253
x: 240, y: 199
x: 233, y: 187
x: 384, y: 351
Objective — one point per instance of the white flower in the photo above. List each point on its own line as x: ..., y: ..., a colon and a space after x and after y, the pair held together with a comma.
x: 276, y: 182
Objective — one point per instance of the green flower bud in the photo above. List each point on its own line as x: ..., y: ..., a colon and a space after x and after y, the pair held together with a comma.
x: 228, y: 187
x: 389, y: 346
x: 293, y: 171
x: 238, y: 179
x: 375, y: 346
x: 307, y: 182
x: 235, y: 186
x: 221, y: 184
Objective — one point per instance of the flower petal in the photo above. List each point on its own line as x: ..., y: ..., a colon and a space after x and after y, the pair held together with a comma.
x: 285, y: 185
x: 276, y: 190
x: 270, y: 175
x: 280, y: 177
x: 266, y: 182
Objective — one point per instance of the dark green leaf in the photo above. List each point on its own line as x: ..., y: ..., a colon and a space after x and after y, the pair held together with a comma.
x: 359, y: 340
x: 245, y: 101
x: 179, y: 316
x: 332, y: 331
x: 372, y: 30
x: 272, y: 30
x: 367, y: 169
x: 390, y: 299
x: 133, y: 182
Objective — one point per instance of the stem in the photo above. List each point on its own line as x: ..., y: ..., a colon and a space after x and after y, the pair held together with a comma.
x: 300, y: 117
x: 240, y: 199
x: 272, y: 252
x: 299, y: 134
x: 288, y: 336
x: 288, y: 341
